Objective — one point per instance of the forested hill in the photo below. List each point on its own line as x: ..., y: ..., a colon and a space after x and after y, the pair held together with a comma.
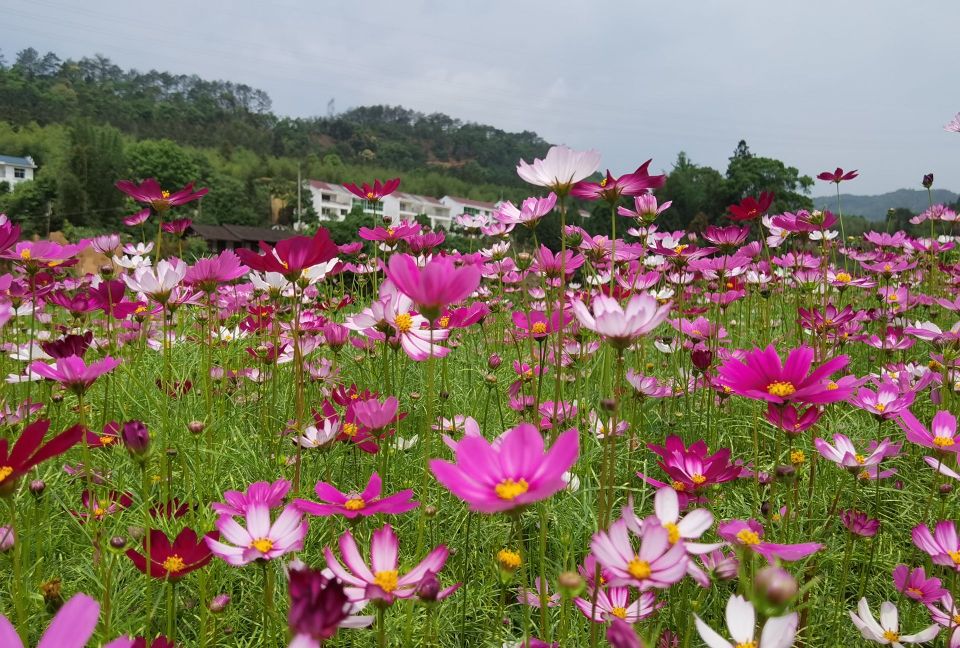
x: 44, y: 89
x: 875, y: 208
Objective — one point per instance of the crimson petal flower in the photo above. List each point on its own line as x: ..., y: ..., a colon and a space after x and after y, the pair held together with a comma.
x: 762, y: 376
x: 438, y: 284
x: 73, y: 372
x: 150, y: 193
x: 750, y: 208
x: 29, y: 451
x: 174, y: 560
x: 319, y: 606
x: 610, y: 189
x: 291, y: 256
x: 352, y: 505
x: 374, y: 193
x: 837, y: 176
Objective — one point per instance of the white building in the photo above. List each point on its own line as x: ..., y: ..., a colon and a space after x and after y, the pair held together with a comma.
x: 407, y: 206
x: 469, y: 206
x: 331, y: 201
x: 14, y: 170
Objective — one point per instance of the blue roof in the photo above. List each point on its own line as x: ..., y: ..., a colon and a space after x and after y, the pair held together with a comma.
x: 16, y: 161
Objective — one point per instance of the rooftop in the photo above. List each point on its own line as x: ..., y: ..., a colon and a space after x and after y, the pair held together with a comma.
x: 240, y: 233
x: 12, y: 160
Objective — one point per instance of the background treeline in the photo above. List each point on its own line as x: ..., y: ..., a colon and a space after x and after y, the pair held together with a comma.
x: 88, y: 122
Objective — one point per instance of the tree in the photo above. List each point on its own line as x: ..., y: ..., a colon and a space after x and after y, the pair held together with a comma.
x: 171, y: 164
x: 748, y: 175
x: 694, y: 190
x: 30, y: 205
x: 94, y: 162
x: 228, y: 202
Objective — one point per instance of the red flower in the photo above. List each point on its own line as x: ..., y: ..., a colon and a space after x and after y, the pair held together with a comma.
x: 610, y: 189
x: 750, y: 208
x: 837, y: 176
x: 29, y: 450
x: 150, y: 193
x: 174, y: 561
x: 374, y: 193
x: 291, y: 256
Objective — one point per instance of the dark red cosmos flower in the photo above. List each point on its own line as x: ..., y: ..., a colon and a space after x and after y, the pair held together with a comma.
x: 78, y: 304
x: 318, y: 605
x: 692, y: 469
x: 29, y: 450
x: 291, y: 256
x: 837, y: 176
x: 374, y: 193
x: 177, y: 227
x: 750, y: 208
x: 610, y: 189
x: 150, y: 193
x: 67, y: 346
x: 159, y: 642
x: 9, y: 233
x: 174, y: 560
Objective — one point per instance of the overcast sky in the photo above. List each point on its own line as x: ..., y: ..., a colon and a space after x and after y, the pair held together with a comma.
x: 864, y: 84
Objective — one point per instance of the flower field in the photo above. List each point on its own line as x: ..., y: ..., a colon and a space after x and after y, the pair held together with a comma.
x: 743, y: 437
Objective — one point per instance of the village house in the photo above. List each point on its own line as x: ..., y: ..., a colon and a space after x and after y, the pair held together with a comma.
x: 14, y: 170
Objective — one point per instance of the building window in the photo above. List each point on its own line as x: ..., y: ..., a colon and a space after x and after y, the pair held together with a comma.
x: 19, y: 173
x: 472, y: 211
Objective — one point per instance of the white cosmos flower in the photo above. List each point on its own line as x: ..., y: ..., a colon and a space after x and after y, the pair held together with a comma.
x: 560, y: 168
x: 778, y: 632
x: 886, y: 633
x: 132, y: 262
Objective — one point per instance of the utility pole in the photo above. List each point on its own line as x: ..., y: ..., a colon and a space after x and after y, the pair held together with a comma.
x: 299, y: 185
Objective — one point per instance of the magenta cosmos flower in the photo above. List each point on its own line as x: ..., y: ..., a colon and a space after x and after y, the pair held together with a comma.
x: 837, y: 176
x: 560, y: 168
x: 73, y: 373
x: 941, y: 436
x: 260, y: 539
x: 617, y: 325
x: 510, y: 473
x: 72, y: 627
x: 942, y: 545
x: 691, y: 470
x: 762, y: 376
x: 750, y: 208
x: 656, y: 564
x: 914, y: 584
x: 290, y: 257
x: 208, y: 273
x: 438, y: 284
x: 529, y: 213
x: 374, y: 193
x: 29, y: 451
x: 318, y: 608
x: 150, y: 193
x: 610, y: 189
x: 382, y: 579
x: 258, y: 493
x: 749, y: 534
x: 353, y: 504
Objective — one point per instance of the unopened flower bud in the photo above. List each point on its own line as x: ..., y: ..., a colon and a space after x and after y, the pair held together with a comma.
x: 119, y: 543
x: 621, y: 634
x: 430, y: 510
x: 786, y: 472
x: 444, y: 394
x: 37, y: 486
x: 106, y: 270
x: 136, y: 437
x: 219, y: 603
x: 490, y: 379
x: 945, y: 490
x: 927, y: 180
x: 570, y: 584
x: 765, y: 508
x: 56, y: 397
x: 494, y: 361
x: 776, y: 585
x: 196, y: 427
x: 523, y: 260
x: 608, y: 404
x: 414, y: 396
x: 429, y: 588
x: 7, y: 538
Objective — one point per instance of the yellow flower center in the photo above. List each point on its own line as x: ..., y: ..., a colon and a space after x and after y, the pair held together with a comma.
x: 698, y: 479
x: 673, y: 532
x: 53, y: 264
x: 603, y: 183
x: 165, y: 194
x: 696, y: 332
x: 355, y: 504
x: 679, y: 486
x: 107, y: 440
x: 797, y: 457
x: 746, y: 644
x: 943, y: 442
x: 956, y: 619
x: 748, y: 537
x: 509, y: 560
x: 915, y: 591
x: 25, y: 254
x: 679, y: 249
x: 444, y: 321
x: 404, y: 322
x: 263, y: 545
x: 954, y: 556
x: 390, y: 231
x: 509, y: 489
x: 5, y: 472
x: 843, y: 277
x: 619, y: 612
x: 893, y: 298
x: 832, y: 386
x: 386, y: 580
x: 174, y: 564
x: 879, y: 407
x: 99, y: 512
x: 539, y: 328
x: 350, y: 429
x: 140, y: 309
x: 371, y: 195
x: 891, y: 635
x: 863, y: 475
x: 639, y: 569
x: 781, y: 389
x: 859, y: 458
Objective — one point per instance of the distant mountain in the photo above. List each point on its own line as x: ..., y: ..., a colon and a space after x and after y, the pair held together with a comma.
x: 875, y: 208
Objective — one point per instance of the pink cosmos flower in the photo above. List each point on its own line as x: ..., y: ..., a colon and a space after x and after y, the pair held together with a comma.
x: 530, y: 212
x: 751, y: 208
x: 438, y: 284
x: 374, y: 193
x: 392, y: 235
x: 617, y: 325
x: 318, y: 607
x: 942, y: 435
x: 791, y: 420
x: 137, y: 219
x: 749, y: 534
x: 953, y: 126
x: 914, y: 584
x: 157, y: 283
x: 947, y: 614
x: 260, y: 539
x: 611, y: 189
x: 351, y: 505
x: 656, y: 564
x: 761, y: 375
x: 513, y: 472
x: 208, y: 273
x: 73, y: 373
x: 376, y: 415
x: 691, y: 470
x: 614, y: 603
x: 560, y: 168
x: 291, y: 257
x: 645, y: 208
x: 844, y: 454
x: 859, y: 523
x: 37, y: 255
x: 72, y: 627
x: 887, y: 402
x: 382, y: 579
x: 778, y: 632
x: 887, y: 632
x: 942, y: 545
x: 260, y: 493
x: 150, y: 193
